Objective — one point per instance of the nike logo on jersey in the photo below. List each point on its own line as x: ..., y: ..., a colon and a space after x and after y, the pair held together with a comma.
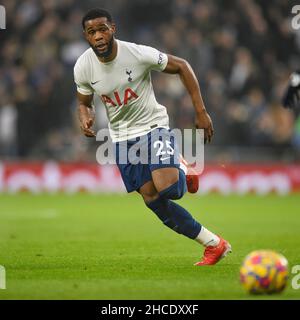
x: 92, y: 83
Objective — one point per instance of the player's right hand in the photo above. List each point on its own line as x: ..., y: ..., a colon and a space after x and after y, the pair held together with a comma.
x: 86, y: 125
x: 291, y: 97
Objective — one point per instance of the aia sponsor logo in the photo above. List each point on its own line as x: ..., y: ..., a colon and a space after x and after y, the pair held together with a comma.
x: 117, y: 100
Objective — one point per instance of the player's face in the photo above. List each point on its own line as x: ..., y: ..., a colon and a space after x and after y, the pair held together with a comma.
x: 100, y: 35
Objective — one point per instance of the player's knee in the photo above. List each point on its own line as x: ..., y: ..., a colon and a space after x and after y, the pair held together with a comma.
x: 148, y: 192
x: 176, y: 190
x: 148, y: 198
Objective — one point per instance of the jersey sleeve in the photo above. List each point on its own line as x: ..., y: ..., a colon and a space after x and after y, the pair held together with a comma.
x: 153, y: 59
x: 81, y: 82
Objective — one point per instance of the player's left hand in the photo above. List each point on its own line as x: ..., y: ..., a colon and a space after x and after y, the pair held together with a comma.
x: 291, y: 97
x: 203, y: 121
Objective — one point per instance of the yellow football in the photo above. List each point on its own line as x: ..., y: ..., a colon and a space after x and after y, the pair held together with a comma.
x: 264, y: 272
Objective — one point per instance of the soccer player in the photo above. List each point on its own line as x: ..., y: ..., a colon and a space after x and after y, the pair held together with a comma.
x: 119, y: 72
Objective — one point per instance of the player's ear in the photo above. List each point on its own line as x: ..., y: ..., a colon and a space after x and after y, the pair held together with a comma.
x: 85, y: 34
x: 83, y: 31
x: 113, y: 27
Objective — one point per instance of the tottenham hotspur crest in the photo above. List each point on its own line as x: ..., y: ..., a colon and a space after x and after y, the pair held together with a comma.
x: 129, y: 74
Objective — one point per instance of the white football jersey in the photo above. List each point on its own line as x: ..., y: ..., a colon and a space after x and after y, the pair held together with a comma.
x: 125, y: 88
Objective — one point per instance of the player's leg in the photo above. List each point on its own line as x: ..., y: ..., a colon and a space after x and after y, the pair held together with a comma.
x: 139, y: 177
x: 158, y: 205
x: 161, y: 207
x: 170, y: 213
x: 148, y: 192
x: 179, y: 219
x: 170, y: 184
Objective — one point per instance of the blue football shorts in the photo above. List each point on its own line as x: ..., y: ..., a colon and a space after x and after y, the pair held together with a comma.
x: 137, y: 158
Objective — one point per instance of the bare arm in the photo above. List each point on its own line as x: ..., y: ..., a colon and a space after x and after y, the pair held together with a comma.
x: 86, y: 114
x: 184, y: 70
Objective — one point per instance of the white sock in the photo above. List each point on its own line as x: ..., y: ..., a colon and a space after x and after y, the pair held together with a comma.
x: 207, y: 238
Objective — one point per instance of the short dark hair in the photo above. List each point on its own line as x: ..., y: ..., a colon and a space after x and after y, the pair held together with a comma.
x: 96, y: 13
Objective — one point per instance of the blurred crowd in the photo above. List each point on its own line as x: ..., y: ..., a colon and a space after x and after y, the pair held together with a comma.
x: 242, y: 52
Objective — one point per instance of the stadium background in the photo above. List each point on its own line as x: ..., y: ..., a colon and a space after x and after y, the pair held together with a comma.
x: 242, y: 52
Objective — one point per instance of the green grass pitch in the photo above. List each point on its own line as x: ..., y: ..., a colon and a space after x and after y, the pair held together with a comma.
x: 112, y: 247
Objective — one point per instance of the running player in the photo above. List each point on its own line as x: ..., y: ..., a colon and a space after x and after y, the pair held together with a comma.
x: 119, y: 72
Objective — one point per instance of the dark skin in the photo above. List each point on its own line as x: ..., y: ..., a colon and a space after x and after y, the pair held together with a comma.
x: 99, y: 33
